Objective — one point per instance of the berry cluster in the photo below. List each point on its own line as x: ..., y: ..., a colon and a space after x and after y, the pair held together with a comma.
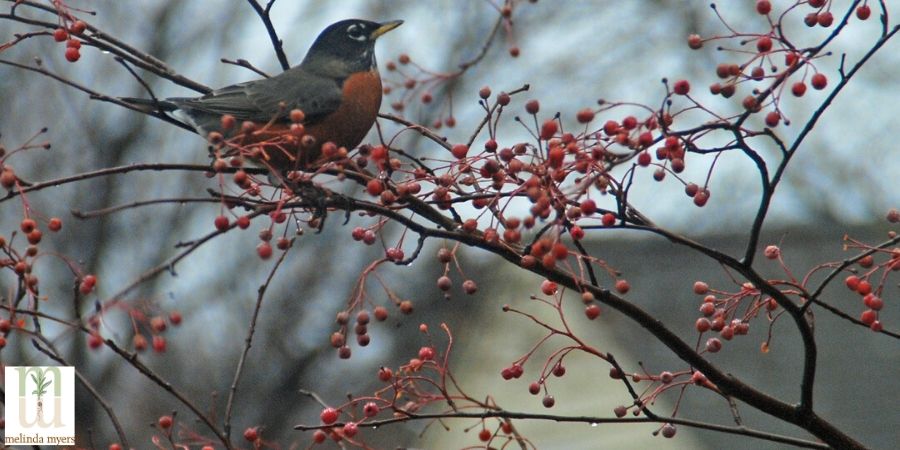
x: 68, y: 35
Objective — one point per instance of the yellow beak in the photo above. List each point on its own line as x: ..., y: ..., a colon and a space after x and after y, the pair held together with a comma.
x: 384, y: 28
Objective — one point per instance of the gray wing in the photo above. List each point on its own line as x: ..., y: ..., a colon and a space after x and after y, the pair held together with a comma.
x: 260, y: 100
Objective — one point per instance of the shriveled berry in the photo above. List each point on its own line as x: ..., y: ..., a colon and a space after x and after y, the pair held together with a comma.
x: 681, y: 87
x: 668, y: 430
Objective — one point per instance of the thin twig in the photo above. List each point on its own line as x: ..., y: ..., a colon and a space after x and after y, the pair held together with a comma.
x: 232, y: 393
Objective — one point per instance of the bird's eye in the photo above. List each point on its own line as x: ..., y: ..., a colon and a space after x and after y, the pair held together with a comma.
x: 356, y: 33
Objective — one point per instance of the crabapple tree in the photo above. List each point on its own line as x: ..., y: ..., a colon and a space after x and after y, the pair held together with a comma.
x: 528, y: 187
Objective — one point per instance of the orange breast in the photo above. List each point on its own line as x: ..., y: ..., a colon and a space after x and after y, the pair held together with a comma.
x: 346, y: 127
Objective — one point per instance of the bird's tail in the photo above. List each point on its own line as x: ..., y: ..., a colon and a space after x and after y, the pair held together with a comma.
x: 149, y: 104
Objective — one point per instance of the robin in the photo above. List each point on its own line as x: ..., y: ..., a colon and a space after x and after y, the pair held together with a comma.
x: 337, y: 87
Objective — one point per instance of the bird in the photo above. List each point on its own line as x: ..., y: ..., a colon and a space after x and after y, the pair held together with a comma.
x: 337, y: 87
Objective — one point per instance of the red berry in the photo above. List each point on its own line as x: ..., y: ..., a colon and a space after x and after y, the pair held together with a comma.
x: 72, y: 54
x: 426, y: 353
x: 681, y: 87
x: 811, y: 19
x: 585, y: 115
x: 700, y: 288
x: 763, y: 7
x: 703, y: 324
x: 318, y: 437
x: 643, y: 159
x: 798, y: 89
x: 868, y: 317
x: 549, y: 129
x: 864, y: 287
x: 532, y: 106
x: 592, y: 311
x: 772, y: 252
x: 165, y: 422
x: 60, y: 34
x: 329, y: 416
x: 159, y: 344
x: 548, y: 287
x: 695, y: 41
x: 773, y: 118
x: 264, y: 250
x: 819, y: 81
x: 158, y: 324
x: 78, y: 27
x: 484, y: 435
x: 863, y: 12
x: 713, y: 345
x: 94, y: 341
x: 7, y: 178
x: 484, y: 93
x: 469, y: 287
x: 548, y: 401
x: 444, y: 283
x: 115, y: 447
x: 251, y: 434
x: 459, y: 151
x: 394, y: 254
x: 385, y: 374
x: 139, y: 342
x: 28, y: 225
x: 623, y: 286
x: 55, y: 224
x: 852, y: 282
x: 5, y: 326
x: 893, y: 215
x: 608, y: 219
x: 701, y: 197
x: 221, y: 223
x: 873, y: 302
x: 825, y: 19
x: 764, y: 44
x: 577, y: 233
x: 374, y: 187
x: 73, y: 43
x: 34, y: 238
x: 588, y: 207
x: 620, y: 411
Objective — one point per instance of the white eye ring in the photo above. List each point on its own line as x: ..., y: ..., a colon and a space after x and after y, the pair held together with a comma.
x: 353, y: 32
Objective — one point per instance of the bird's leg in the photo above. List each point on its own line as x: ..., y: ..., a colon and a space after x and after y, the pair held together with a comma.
x: 311, y: 194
